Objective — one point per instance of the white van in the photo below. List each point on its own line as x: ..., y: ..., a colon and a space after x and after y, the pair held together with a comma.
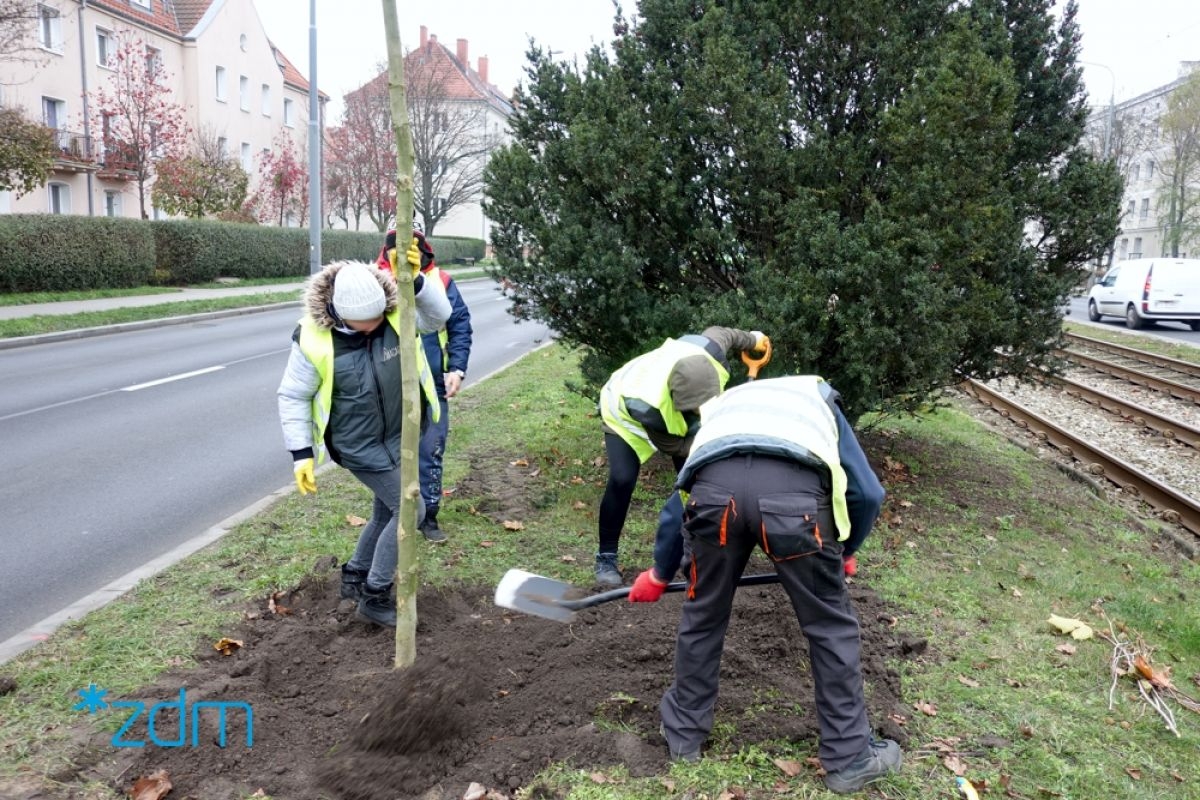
x: 1149, y: 290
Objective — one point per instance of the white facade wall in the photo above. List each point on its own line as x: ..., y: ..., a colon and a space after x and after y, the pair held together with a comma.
x: 1141, y: 235
x: 61, y: 73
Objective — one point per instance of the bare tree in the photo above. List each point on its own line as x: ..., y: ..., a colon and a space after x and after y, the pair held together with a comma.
x: 18, y: 22
x: 450, y: 141
x: 362, y: 157
x: 1179, y: 196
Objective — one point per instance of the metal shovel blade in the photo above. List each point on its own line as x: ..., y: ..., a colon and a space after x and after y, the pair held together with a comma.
x: 557, y: 600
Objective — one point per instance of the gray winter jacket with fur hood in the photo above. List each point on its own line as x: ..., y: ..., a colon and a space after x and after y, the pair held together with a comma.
x: 365, y: 414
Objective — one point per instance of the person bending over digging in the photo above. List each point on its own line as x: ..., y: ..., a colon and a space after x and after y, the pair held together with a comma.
x: 340, y: 394
x: 775, y: 464
x: 650, y: 404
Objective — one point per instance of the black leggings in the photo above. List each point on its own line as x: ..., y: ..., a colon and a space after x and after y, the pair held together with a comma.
x: 623, y: 466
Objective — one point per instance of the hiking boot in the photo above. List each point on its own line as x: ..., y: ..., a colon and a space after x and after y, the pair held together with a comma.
x: 607, y: 573
x: 430, y: 530
x: 880, y: 759
x: 685, y: 756
x: 352, y: 582
x: 377, y: 605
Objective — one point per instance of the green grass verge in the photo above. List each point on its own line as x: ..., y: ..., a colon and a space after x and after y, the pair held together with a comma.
x: 31, y: 298
x: 52, y: 323
x: 980, y: 544
x: 1151, y: 344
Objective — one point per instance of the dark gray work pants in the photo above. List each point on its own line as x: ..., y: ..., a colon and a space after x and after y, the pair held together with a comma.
x: 733, y: 500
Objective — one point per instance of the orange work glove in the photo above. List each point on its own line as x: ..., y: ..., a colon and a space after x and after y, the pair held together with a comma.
x: 850, y: 565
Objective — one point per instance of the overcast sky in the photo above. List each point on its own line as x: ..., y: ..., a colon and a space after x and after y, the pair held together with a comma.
x: 1130, y: 47
x: 351, y: 41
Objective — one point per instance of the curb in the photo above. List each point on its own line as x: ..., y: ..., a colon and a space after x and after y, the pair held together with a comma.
x: 122, y: 327
x: 40, y: 631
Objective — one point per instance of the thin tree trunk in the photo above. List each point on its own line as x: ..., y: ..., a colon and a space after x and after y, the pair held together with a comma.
x: 410, y: 487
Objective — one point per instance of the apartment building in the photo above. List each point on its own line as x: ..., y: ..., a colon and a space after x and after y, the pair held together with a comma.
x: 1130, y: 132
x: 455, y: 111
x: 231, y: 81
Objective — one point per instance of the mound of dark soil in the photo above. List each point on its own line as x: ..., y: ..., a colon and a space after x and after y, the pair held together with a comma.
x: 493, y: 698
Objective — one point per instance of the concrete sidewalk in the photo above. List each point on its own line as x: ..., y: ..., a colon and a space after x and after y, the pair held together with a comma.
x: 168, y: 296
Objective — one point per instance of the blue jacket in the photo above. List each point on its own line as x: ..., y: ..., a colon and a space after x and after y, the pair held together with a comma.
x: 458, y: 337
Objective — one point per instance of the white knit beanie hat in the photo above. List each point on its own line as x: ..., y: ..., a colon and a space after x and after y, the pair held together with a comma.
x: 357, y: 294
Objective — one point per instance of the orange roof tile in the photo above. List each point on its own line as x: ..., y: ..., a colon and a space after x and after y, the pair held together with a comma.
x: 158, y: 16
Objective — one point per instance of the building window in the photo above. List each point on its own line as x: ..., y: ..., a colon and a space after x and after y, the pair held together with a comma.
x: 439, y: 206
x: 49, y: 28
x: 266, y: 100
x: 221, y: 93
x: 1149, y: 170
x: 1145, y: 215
x: 247, y: 159
x: 142, y: 3
x: 222, y: 147
x: 112, y: 204
x: 1136, y: 175
x: 289, y: 113
x: 1137, y: 248
x: 54, y: 112
x: 104, y: 47
x: 242, y: 42
x: 1130, y: 209
x: 1124, y: 249
x: 153, y: 62
x: 244, y: 92
x: 60, y: 198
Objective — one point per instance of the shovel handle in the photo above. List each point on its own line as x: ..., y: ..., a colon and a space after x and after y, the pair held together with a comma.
x: 677, y: 586
x: 753, y: 365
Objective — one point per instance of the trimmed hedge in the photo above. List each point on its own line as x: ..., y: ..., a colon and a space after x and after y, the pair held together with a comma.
x: 199, y: 251
x: 58, y: 253
x: 39, y: 252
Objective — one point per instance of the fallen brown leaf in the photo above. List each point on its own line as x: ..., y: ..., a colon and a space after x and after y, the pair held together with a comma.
x: 1134, y: 773
x: 486, y: 543
x: 568, y: 559
x: 788, y: 767
x: 1066, y: 649
x: 955, y: 765
x: 579, y: 505
x: 355, y: 520
x: 965, y: 681
x: 513, y: 525
x: 928, y: 709
x: 520, y: 462
x: 152, y: 786
x: 226, y: 646
x: 598, y: 777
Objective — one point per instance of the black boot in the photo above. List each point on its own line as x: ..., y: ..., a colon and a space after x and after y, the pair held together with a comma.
x: 377, y: 605
x: 429, y: 528
x: 352, y: 582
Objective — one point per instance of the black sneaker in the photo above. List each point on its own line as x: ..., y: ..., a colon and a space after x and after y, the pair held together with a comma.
x: 686, y: 756
x: 880, y: 759
x: 377, y: 605
x: 430, y: 530
x: 607, y: 573
x: 352, y: 582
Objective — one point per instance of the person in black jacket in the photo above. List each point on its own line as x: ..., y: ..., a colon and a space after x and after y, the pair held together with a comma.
x: 340, y: 395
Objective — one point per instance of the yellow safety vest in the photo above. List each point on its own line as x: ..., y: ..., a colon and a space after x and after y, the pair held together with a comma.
x: 316, y: 342
x: 646, y: 378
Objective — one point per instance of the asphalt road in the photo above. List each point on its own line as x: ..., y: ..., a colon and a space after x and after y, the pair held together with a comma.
x: 121, y: 447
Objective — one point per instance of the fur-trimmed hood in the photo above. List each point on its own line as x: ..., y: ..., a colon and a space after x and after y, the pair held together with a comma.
x: 318, y: 292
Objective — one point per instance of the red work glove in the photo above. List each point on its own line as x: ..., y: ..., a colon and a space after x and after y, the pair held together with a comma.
x: 850, y: 564
x: 647, y: 588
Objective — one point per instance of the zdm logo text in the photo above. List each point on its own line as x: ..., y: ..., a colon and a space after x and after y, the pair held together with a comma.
x: 93, y: 701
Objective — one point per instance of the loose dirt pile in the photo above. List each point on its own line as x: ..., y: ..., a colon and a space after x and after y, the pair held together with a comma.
x: 493, y: 699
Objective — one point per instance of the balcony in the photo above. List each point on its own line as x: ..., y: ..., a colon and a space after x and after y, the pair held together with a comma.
x: 118, y: 161
x: 74, y: 152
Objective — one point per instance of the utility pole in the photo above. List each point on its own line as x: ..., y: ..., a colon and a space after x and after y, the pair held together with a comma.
x: 314, y: 147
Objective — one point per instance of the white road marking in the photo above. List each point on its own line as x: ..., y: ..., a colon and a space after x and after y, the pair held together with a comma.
x: 173, y: 378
